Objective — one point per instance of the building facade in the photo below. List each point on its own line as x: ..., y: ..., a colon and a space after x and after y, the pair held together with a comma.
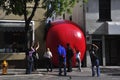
x: 103, y: 28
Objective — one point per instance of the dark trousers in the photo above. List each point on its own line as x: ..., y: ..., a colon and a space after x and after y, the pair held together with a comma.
x: 29, y: 67
x: 62, y: 64
x: 69, y: 65
x: 48, y: 64
x: 35, y: 64
x: 30, y: 62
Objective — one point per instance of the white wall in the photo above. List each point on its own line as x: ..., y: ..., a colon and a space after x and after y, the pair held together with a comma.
x: 92, y: 14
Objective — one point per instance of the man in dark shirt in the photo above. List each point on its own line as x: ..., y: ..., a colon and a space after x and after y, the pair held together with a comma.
x: 69, y: 57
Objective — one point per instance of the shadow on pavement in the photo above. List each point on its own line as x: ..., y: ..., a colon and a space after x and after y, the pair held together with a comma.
x: 111, y: 71
x: 7, y: 74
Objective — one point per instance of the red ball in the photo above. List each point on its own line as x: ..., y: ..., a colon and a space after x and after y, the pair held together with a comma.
x: 63, y: 32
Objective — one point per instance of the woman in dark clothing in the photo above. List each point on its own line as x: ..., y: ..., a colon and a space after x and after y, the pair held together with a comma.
x: 94, y: 59
x: 35, y: 56
x: 30, y: 61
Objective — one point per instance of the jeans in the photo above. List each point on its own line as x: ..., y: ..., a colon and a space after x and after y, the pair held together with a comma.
x: 29, y: 65
x: 95, y: 66
x: 62, y: 64
x: 79, y: 64
x: 29, y: 68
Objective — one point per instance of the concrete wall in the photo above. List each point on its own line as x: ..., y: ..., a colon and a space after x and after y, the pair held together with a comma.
x: 92, y: 14
x: 78, y: 16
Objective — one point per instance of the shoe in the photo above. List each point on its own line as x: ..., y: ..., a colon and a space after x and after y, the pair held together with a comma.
x: 69, y: 70
x: 98, y: 75
x: 93, y: 75
x: 65, y: 74
x: 60, y: 74
x: 80, y: 70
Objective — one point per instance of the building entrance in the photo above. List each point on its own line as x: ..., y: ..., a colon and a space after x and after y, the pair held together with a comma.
x: 112, y: 44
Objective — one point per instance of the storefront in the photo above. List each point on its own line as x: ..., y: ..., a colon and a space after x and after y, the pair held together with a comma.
x: 108, y: 41
x: 12, y: 39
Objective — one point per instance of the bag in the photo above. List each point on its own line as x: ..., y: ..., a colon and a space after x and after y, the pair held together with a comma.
x: 37, y: 56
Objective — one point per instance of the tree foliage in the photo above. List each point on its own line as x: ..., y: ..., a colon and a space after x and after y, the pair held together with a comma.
x: 58, y: 7
x: 19, y: 7
x: 13, y: 6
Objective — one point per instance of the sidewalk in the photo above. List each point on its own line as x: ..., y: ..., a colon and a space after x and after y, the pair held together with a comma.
x: 43, y: 71
x: 111, y: 70
x: 86, y: 71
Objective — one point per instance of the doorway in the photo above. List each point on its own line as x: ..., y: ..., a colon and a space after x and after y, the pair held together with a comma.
x: 112, y: 50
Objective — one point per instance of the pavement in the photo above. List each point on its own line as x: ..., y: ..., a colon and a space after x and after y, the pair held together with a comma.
x: 107, y: 73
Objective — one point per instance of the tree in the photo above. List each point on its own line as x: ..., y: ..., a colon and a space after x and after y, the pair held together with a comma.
x: 58, y: 7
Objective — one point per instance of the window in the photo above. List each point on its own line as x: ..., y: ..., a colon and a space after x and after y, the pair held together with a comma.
x: 70, y: 17
x: 13, y: 42
x: 12, y: 36
x: 104, y: 10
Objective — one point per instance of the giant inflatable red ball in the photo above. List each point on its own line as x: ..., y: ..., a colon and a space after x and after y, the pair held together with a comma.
x: 63, y: 32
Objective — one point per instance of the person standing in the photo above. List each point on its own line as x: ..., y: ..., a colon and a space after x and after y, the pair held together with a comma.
x: 62, y: 59
x: 69, y: 57
x: 48, y: 58
x: 30, y: 60
x: 94, y: 59
x: 35, y: 56
x: 78, y: 60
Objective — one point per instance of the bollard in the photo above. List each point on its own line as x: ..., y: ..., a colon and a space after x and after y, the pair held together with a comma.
x: 4, y: 67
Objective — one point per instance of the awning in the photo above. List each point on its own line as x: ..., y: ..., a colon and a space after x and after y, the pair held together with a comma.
x: 113, y: 28
x: 12, y: 26
x: 109, y: 28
